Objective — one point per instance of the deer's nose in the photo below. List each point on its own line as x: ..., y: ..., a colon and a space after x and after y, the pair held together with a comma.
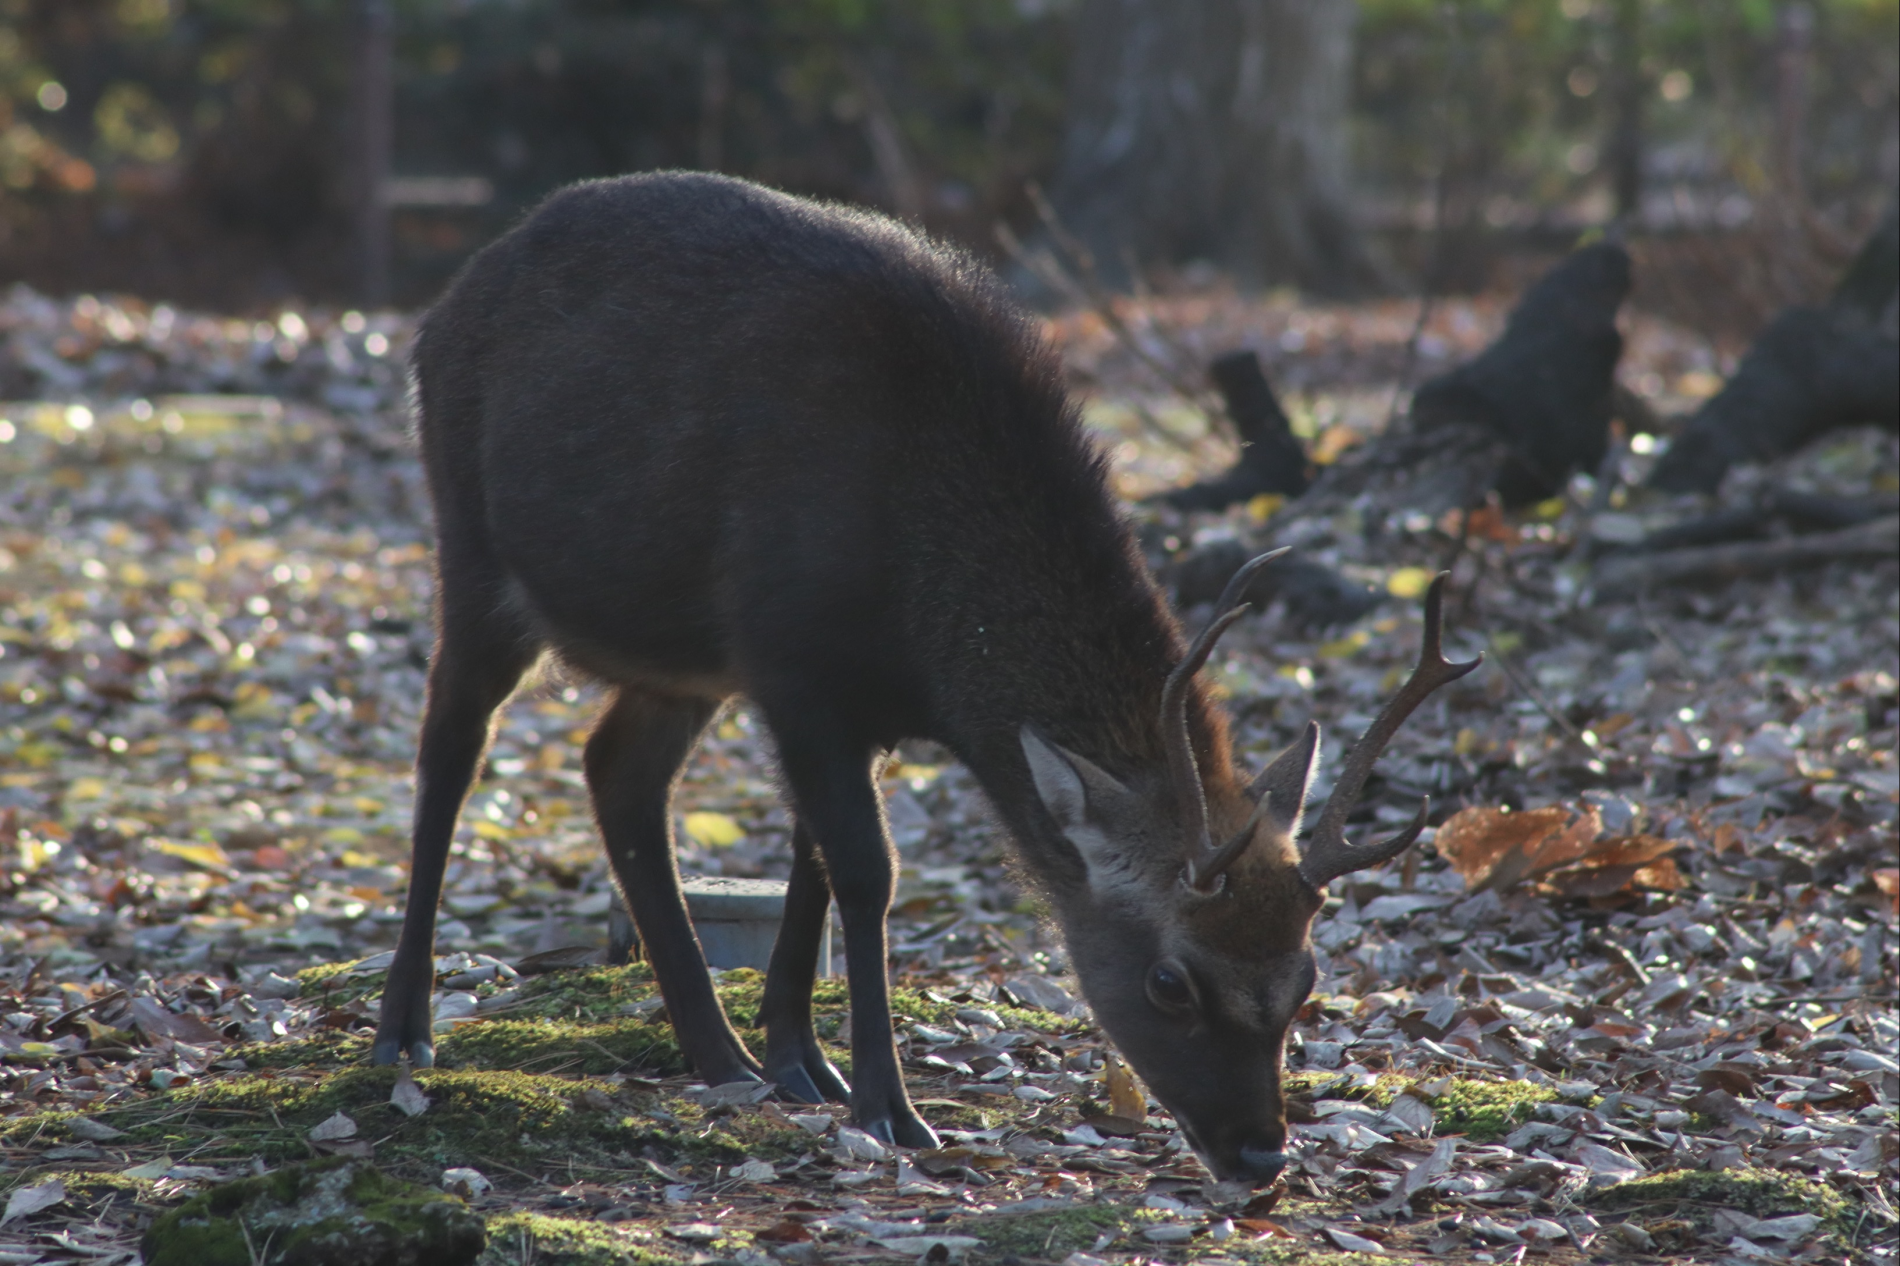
x: 1262, y: 1166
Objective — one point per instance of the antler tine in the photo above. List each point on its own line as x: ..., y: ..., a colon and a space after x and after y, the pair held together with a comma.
x: 1328, y: 855
x: 1182, y: 770
x: 1204, y: 873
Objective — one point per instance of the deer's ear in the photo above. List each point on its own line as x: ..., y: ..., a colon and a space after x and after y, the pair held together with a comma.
x: 1083, y: 799
x: 1286, y: 782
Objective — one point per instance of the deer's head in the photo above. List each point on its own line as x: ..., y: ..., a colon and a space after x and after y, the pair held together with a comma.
x: 1188, y: 926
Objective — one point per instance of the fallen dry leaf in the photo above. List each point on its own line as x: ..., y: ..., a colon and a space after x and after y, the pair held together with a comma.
x: 1125, y: 1096
x: 1495, y: 848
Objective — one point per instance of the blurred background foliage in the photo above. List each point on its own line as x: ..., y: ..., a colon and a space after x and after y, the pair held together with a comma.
x: 201, y: 149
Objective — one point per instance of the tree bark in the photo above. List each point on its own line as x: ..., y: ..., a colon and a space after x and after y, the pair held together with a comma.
x: 1214, y: 129
x: 373, y: 106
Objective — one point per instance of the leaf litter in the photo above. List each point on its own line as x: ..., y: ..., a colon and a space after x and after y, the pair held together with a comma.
x: 1633, y: 996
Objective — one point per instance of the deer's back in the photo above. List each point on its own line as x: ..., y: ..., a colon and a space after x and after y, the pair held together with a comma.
x: 706, y: 428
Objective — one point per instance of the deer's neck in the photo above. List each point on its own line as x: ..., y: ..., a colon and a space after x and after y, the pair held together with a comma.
x: 1097, y: 694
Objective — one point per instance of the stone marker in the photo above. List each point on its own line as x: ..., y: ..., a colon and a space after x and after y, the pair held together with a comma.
x: 737, y: 921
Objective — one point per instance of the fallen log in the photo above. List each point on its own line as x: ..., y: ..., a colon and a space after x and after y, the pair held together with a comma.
x: 1315, y: 595
x: 1547, y: 386
x: 1271, y: 458
x: 1813, y: 369
x: 1626, y: 575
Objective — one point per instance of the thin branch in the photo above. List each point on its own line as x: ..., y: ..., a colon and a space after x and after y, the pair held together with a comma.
x: 1097, y: 296
x: 1050, y: 271
x: 1531, y: 692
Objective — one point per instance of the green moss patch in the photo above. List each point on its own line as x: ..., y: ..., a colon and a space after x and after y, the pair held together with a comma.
x: 1485, y: 1110
x: 1694, y: 1195
x: 511, y: 1119
x: 1054, y: 1235
x: 338, y: 983
x: 532, y: 1239
x: 328, y: 1210
x: 506, y: 1123
x: 1478, y: 1110
x: 591, y: 1022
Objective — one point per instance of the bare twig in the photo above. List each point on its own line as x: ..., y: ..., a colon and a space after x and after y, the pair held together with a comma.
x: 1052, y: 274
x: 1530, y: 691
x: 1665, y: 639
x: 1088, y: 285
x: 1425, y: 304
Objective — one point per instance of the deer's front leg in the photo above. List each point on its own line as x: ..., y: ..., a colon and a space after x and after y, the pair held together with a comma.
x: 837, y: 800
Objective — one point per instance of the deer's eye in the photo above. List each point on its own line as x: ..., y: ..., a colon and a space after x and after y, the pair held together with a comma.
x: 1168, y: 987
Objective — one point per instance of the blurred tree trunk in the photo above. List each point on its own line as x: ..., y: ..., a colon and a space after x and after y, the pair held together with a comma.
x: 1624, y: 152
x: 1214, y: 129
x: 373, y: 118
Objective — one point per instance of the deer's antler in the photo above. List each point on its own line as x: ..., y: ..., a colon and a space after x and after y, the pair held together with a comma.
x: 1204, y: 862
x: 1328, y: 855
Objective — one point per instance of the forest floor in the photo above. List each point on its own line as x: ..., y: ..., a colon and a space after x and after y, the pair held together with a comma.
x: 1647, y: 1013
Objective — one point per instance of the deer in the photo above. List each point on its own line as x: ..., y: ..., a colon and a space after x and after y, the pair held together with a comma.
x: 699, y: 439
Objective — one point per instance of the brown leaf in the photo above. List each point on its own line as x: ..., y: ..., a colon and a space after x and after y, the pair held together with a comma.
x: 1887, y: 879
x: 1733, y: 1080
x: 1634, y: 861
x: 1726, y: 1108
x: 1495, y: 848
x: 155, y: 1020
x: 785, y: 1231
x: 1115, y: 1126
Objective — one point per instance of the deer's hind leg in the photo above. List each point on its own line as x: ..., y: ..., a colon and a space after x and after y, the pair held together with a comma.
x: 633, y: 762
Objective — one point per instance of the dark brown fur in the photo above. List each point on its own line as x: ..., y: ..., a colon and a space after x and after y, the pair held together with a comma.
x: 701, y: 439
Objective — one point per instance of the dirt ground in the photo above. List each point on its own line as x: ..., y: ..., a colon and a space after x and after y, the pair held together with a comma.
x: 1674, y: 1037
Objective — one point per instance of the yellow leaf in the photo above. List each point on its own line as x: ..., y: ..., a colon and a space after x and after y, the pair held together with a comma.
x: 367, y: 806
x: 1698, y: 384
x: 1125, y: 1098
x: 1333, y: 443
x: 715, y: 830
x: 1408, y: 582
x: 492, y: 830
x: 343, y: 835
x: 86, y: 789
x: 1265, y: 506
x: 1550, y: 509
x: 1345, y: 646
x: 206, y: 764
x: 253, y: 702
x: 207, y: 856
x: 351, y: 857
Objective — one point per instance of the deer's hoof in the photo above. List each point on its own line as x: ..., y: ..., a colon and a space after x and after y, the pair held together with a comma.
x: 809, y: 1078
x: 390, y: 1050
x: 902, y: 1129
x: 795, y: 1083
